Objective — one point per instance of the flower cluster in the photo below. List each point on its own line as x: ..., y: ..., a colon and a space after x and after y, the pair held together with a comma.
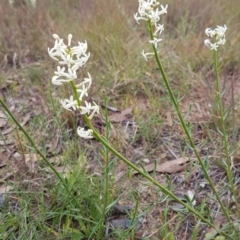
x: 148, y: 11
x: 70, y: 59
x: 218, y: 34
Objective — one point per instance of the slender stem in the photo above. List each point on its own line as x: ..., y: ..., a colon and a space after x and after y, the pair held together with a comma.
x: 40, y: 153
x: 176, y: 106
x: 135, y: 208
x: 106, y: 174
x: 224, y: 133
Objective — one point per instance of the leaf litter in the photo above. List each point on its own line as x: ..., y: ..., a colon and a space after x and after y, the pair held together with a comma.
x: 171, y: 166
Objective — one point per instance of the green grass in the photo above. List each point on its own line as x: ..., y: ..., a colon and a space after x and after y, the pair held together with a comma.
x: 44, y: 207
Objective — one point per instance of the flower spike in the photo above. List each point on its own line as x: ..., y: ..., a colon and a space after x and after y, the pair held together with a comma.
x: 218, y: 35
x: 70, y: 60
x: 149, y: 10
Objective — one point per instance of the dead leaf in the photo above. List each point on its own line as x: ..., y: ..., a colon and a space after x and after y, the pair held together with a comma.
x: 120, y: 117
x: 7, y: 142
x: 172, y: 166
x: 110, y: 108
x: 56, y: 160
x: 12, y: 108
x: 169, y: 119
x: 18, y: 156
x: 8, y: 130
x: 213, y: 232
x: 5, y: 189
x: 26, y: 119
x: 55, y: 146
x: 30, y: 161
x: 6, y: 176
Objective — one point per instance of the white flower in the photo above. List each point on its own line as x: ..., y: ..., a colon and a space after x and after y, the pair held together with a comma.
x: 83, y: 92
x: 70, y: 103
x: 88, y: 108
x: 80, y: 49
x: 62, y: 77
x: 59, y: 48
x: 159, y: 29
x: 80, y: 61
x: 219, y: 32
x: 163, y: 9
x: 87, y: 134
x: 60, y: 71
x: 147, y: 55
x: 74, y: 57
x: 154, y: 16
x: 86, y: 81
x: 155, y: 41
x: 148, y: 10
x: 67, y: 60
x: 83, y: 87
x: 95, y: 109
x: 212, y: 46
x: 218, y: 35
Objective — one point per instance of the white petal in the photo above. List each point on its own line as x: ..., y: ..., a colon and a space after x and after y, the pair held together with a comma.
x: 191, y: 196
x: 87, y: 134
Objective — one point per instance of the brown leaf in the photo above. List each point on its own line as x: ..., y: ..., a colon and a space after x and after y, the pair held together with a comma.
x: 169, y: 119
x: 172, y: 166
x: 8, y: 130
x: 212, y: 232
x: 30, y: 160
x: 120, y: 117
x: 5, y: 189
x: 57, y: 160
x: 110, y: 108
x: 55, y: 146
x: 26, y: 119
x: 6, y: 142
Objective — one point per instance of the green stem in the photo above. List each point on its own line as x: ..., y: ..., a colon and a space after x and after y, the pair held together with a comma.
x: 223, y: 131
x: 176, y: 106
x: 138, y: 170
x: 40, y: 153
x: 136, y: 197
x: 106, y: 173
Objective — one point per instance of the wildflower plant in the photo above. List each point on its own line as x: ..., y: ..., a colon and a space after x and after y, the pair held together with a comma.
x: 218, y: 38
x: 149, y: 11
